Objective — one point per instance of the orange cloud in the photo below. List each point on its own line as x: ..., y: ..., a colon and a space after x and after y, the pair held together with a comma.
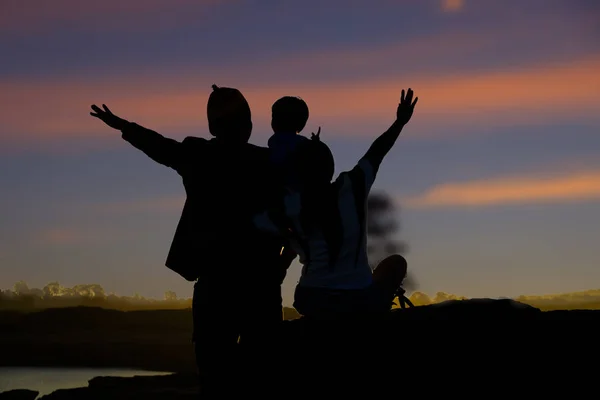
x: 452, y: 5
x: 58, y: 236
x: 577, y: 186
x: 152, y: 205
x: 565, y: 92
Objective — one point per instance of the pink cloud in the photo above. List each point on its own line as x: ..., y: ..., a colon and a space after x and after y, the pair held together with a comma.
x: 452, y: 5
x: 564, y: 92
x: 150, y: 205
x: 59, y: 236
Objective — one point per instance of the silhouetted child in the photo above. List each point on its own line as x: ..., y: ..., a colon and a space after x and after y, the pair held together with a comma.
x: 288, y: 118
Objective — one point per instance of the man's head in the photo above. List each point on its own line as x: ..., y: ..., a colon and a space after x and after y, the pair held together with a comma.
x: 229, y: 115
x: 289, y: 114
x: 313, y: 163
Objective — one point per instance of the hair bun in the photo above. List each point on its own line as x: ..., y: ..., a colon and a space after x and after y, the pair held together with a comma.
x: 214, y: 87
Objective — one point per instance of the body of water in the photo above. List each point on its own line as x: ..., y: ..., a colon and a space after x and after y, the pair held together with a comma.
x: 47, y: 380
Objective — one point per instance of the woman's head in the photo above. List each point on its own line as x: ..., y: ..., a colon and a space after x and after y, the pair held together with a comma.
x: 314, y: 166
x: 313, y: 162
x: 229, y: 116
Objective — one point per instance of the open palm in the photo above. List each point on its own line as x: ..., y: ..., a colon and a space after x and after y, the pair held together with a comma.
x: 108, y: 117
x: 406, y: 107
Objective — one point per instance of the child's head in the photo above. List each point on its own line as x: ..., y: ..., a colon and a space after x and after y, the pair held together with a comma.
x: 229, y: 115
x: 289, y: 114
x: 313, y: 163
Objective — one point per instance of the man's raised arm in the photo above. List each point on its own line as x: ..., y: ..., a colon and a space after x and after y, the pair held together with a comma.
x: 384, y: 143
x: 168, y: 152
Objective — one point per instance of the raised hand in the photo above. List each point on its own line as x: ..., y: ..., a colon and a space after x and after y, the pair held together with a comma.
x: 108, y: 117
x: 406, y: 107
x: 316, y: 136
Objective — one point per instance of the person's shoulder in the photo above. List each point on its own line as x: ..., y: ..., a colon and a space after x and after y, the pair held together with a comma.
x: 363, y: 174
x: 362, y: 167
x: 194, y: 141
x: 256, y: 151
x: 301, y: 138
x: 365, y: 164
x: 342, y: 183
x: 272, y: 141
x: 285, y: 137
x: 257, y: 148
x: 192, y: 146
x: 345, y: 176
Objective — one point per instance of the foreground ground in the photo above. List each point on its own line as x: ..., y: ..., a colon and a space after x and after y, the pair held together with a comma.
x: 463, y: 343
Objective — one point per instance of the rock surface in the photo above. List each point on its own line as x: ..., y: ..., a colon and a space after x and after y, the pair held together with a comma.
x: 457, y: 347
x: 19, y: 394
x: 176, y: 386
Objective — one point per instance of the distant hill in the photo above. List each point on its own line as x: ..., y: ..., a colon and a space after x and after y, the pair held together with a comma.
x: 36, y: 299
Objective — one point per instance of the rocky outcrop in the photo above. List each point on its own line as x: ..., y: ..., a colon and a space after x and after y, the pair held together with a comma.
x: 19, y: 394
x: 176, y: 387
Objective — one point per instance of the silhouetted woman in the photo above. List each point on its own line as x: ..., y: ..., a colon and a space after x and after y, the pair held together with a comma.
x: 326, y: 222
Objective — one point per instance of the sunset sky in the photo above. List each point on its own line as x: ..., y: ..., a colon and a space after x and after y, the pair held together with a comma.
x: 497, y: 176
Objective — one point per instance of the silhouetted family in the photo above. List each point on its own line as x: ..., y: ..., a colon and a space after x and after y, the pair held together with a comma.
x: 251, y: 210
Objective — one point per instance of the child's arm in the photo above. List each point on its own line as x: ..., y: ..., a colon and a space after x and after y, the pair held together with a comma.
x: 384, y: 143
x: 168, y: 152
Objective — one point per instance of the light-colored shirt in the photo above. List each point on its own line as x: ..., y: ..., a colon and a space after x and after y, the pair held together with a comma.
x: 351, y: 269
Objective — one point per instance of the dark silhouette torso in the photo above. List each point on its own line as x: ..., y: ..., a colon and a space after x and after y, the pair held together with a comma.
x: 225, y: 186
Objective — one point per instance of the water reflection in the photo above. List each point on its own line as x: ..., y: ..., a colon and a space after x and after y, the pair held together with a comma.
x: 47, y: 380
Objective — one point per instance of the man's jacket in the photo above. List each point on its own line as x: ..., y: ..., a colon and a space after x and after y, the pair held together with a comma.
x: 225, y: 186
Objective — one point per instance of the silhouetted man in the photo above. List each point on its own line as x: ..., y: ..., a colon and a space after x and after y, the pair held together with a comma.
x: 238, y: 271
